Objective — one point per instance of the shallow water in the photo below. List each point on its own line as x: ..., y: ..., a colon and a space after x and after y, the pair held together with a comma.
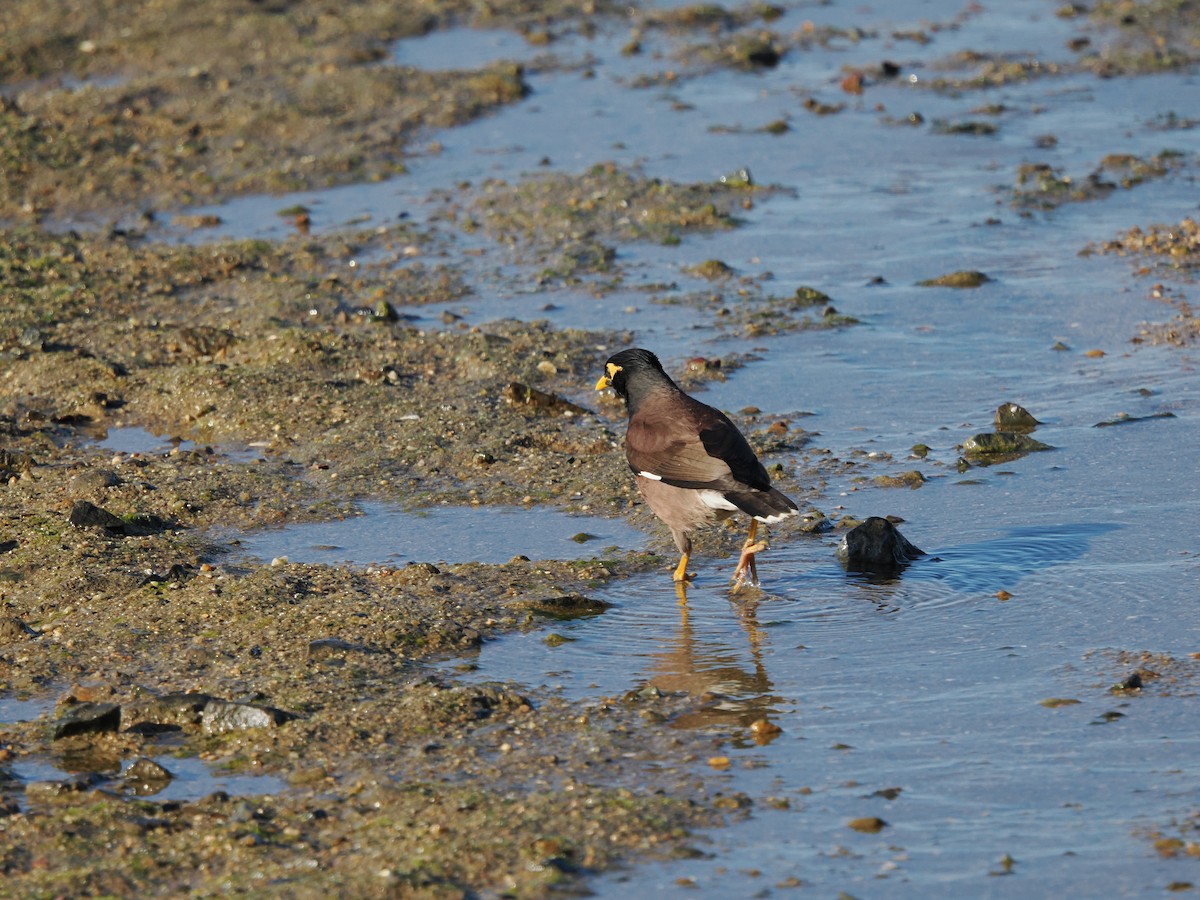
x: 389, y: 534
x: 931, y: 682
x: 191, y: 778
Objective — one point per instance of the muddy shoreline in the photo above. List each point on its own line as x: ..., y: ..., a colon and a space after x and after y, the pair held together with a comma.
x: 304, y: 392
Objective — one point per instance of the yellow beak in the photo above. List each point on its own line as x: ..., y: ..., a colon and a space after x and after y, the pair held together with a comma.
x: 606, y: 379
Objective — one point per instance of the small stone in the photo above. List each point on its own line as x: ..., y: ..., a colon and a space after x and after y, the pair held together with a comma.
x: 31, y: 338
x: 547, y: 368
x: 868, y: 824
x: 94, y: 480
x: 1011, y: 417
x: 1133, y: 683
x: 810, y: 296
x: 220, y: 716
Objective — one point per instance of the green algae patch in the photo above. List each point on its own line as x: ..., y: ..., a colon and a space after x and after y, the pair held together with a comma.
x: 1041, y: 186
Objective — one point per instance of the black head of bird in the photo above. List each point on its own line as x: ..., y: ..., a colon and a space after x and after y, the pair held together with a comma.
x: 633, y: 374
x: 691, y: 463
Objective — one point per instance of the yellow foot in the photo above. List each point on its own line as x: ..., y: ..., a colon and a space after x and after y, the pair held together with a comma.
x: 746, y: 573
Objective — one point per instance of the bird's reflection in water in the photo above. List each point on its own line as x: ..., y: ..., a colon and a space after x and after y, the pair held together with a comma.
x: 733, y: 686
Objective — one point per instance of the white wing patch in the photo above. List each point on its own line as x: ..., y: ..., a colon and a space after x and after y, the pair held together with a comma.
x: 716, y: 500
x: 650, y: 475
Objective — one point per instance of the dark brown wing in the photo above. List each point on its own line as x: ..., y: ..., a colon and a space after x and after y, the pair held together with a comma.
x: 691, y: 445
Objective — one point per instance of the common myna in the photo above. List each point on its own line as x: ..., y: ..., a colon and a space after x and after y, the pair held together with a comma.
x: 692, y: 464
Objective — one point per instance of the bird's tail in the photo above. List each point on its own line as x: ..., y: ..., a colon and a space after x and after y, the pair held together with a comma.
x: 768, y: 506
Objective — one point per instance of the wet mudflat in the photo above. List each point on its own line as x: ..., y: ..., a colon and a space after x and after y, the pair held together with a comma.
x: 858, y: 231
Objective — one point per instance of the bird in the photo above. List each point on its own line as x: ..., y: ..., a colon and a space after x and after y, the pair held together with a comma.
x: 691, y: 463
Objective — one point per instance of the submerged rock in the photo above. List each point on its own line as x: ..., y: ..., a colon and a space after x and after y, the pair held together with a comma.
x: 963, y: 279
x: 566, y: 606
x: 146, y: 777
x: 911, y: 479
x: 876, y: 546
x: 1000, y: 446
x: 1126, y: 419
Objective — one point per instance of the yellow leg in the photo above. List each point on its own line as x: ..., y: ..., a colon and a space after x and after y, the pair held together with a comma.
x: 746, y: 560
x: 681, y: 572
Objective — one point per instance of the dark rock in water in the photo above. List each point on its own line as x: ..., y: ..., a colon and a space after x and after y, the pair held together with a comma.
x: 1011, y: 417
x: 1000, y: 446
x: 567, y: 606
x: 88, y: 718
x: 815, y: 523
x: 876, y: 546
x: 220, y: 716
x: 146, y: 777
